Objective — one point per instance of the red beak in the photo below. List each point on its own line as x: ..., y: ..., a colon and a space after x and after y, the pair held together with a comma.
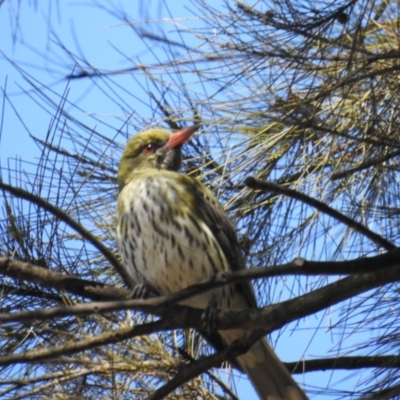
x: 182, y: 136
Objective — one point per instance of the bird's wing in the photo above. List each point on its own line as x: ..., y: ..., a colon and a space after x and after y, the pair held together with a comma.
x: 215, y: 218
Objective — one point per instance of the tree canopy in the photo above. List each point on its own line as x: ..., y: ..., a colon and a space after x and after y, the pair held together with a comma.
x: 299, y: 109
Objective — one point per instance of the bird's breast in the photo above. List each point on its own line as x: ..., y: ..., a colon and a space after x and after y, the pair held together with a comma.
x: 163, y: 242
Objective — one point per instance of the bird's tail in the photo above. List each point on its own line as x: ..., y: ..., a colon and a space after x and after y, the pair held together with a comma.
x: 269, y: 376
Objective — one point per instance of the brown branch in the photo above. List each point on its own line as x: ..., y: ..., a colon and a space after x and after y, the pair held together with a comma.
x: 89, y: 289
x: 227, y: 390
x: 389, y: 393
x: 259, y: 321
x: 377, y: 265
x: 364, y: 165
x: 202, y: 365
x: 75, y: 347
x: 349, y: 363
x: 320, y: 206
x: 277, y: 315
x: 58, y: 378
x: 267, y: 319
x: 62, y: 216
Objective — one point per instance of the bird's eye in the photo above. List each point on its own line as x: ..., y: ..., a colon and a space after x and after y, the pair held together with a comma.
x: 148, y: 148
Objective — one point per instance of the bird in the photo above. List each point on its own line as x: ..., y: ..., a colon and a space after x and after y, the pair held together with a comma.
x: 172, y: 233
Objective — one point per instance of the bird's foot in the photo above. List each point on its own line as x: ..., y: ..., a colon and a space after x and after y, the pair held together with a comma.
x: 140, y: 291
x: 210, y: 315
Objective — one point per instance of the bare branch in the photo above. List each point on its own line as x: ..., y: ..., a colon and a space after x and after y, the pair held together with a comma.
x: 351, y: 223
x: 198, y: 367
x: 383, y: 269
x: 348, y: 363
x: 50, y: 279
x: 75, y: 347
x: 62, y: 216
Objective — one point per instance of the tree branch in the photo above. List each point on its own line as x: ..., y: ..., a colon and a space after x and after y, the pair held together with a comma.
x: 351, y: 223
x: 349, y: 363
x: 385, y: 268
x: 259, y: 321
x: 220, y: 383
x: 268, y: 319
x: 62, y: 216
x: 75, y: 347
x: 365, y: 165
x: 90, y: 289
x: 202, y: 365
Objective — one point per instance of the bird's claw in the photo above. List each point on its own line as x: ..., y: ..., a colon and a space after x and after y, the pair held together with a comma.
x: 140, y: 291
x: 210, y: 315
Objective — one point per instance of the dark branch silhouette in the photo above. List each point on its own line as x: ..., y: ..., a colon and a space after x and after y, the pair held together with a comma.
x: 62, y: 216
x: 351, y: 223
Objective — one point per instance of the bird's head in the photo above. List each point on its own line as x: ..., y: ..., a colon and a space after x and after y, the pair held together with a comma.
x: 156, y: 148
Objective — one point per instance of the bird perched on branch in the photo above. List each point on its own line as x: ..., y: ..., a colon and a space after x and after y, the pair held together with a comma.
x: 173, y: 233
